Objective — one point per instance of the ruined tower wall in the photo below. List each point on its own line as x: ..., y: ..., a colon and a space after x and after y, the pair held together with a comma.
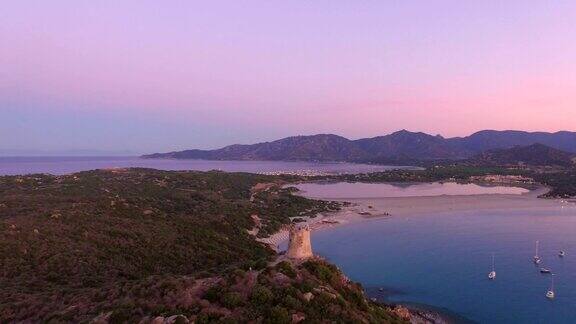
x: 299, y: 245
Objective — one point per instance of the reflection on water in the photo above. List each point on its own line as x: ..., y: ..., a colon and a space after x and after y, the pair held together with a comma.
x: 343, y: 190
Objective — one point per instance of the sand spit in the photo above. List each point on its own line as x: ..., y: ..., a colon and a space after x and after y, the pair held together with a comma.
x: 364, y: 208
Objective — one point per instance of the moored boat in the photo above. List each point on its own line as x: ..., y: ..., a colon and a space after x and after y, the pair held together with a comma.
x: 545, y: 270
x: 492, y: 274
x: 536, y: 259
x: 550, y: 294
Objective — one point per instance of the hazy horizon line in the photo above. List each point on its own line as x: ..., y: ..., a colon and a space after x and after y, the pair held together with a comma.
x: 15, y: 153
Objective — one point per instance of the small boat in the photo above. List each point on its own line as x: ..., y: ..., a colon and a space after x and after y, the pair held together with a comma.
x: 492, y: 274
x: 561, y: 254
x: 550, y: 293
x: 536, y: 258
x: 381, y: 289
x: 545, y: 270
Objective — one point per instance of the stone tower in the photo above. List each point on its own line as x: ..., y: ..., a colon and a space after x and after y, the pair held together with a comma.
x: 299, y: 246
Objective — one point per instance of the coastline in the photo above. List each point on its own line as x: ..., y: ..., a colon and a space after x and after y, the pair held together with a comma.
x: 426, y: 314
x: 369, y: 208
x: 361, y: 209
x: 346, y: 215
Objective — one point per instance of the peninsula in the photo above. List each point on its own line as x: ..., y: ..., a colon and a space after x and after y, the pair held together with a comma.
x: 149, y: 246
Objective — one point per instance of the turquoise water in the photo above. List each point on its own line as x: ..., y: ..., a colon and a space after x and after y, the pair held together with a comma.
x: 443, y: 260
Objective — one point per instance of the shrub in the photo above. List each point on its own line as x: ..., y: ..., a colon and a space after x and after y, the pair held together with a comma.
x: 278, y: 315
x: 286, y: 268
x: 291, y: 302
x: 232, y: 300
x: 213, y: 294
x: 261, y: 295
x: 323, y: 271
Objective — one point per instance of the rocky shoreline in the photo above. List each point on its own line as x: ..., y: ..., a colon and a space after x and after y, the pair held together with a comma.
x: 412, y: 312
x: 415, y: 316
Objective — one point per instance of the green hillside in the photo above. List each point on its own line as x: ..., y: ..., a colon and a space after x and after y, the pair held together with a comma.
x: 127, y: 245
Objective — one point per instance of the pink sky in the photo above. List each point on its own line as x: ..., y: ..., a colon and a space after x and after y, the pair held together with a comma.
x: 157, y: 75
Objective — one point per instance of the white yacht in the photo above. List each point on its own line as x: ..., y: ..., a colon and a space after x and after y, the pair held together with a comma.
x: 536, y: 258
x: 550, y: 293
x: 492, y: 274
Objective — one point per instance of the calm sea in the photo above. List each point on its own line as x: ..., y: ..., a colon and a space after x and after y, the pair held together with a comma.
x: 442, y: 260
x: 65, y: 165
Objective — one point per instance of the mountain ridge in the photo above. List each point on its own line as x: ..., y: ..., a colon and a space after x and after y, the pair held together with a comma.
x: 399, y: 146
x: 531, y: 155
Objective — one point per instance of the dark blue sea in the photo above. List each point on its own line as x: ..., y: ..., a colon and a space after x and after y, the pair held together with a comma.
x: 442, y: 260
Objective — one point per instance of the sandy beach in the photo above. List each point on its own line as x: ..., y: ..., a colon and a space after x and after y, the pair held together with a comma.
x: 406, y: 206
x: 346, y: 215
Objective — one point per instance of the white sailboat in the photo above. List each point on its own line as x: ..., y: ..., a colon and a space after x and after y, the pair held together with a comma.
x: 536, y: 258
x: 561, y: 253
x: 550, y: 293
x: 492, y: 274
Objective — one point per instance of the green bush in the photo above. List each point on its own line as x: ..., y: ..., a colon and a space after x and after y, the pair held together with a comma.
x: 323, y: 271
x: 278, y: 315
x: 261, y: 295
x: 286, y: 268
x: 213, y: 294
x: 232, y: 300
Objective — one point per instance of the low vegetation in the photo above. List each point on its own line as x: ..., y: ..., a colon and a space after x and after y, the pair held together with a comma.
x: 280, y: 205
x: 562, y: 184
x: 430, y: 174
x: 131, y: 242
x: 312, y: 292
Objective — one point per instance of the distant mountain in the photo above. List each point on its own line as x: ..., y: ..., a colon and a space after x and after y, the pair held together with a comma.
x: 489, y: 140
x: 534, y: 155
x: 322, y: 147
x: 399, y: 147
x: 405, y: 145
